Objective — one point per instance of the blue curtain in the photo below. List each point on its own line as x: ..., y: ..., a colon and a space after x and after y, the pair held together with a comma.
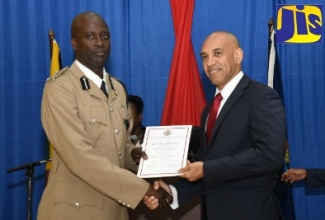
x: 304, y: 91
x: 142, y: 47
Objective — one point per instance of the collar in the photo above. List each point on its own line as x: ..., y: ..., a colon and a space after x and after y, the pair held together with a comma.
x: 230, y: 86
x: 91, y: 75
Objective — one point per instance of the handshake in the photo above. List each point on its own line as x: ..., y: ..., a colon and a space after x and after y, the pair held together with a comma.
x: 158, y: 196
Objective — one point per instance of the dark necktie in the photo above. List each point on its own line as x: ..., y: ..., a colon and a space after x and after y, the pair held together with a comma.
x: 103, y: 88
x: 213, y: 115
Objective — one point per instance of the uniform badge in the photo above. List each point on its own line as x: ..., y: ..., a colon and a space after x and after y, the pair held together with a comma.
x: 84, y: 83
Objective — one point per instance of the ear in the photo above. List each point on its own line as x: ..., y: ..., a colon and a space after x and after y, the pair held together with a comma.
x: 239, y: 55
x: 74, y: 43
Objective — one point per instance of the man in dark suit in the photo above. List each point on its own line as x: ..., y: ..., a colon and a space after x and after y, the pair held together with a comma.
x: 234, y: 171
x: 312, y: 177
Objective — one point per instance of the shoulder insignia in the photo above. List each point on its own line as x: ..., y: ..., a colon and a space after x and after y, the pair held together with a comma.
x: 57, y: 74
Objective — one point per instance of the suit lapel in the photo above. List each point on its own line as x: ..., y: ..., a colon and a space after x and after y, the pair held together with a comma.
x: 233, y: 98
x: 204, y: 118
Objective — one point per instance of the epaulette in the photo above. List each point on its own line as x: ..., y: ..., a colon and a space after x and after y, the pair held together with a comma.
x: 57, y: 74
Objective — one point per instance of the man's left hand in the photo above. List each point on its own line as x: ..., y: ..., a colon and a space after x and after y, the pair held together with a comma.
x: 137, y: 153
x: 193, y: 171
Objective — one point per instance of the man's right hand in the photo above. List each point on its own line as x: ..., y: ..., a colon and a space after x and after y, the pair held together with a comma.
x: 158, y: 196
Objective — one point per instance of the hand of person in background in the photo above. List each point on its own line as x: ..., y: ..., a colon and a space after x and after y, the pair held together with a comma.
x: 157, y: 197
x: 193, y: 171
x: 293, y: 175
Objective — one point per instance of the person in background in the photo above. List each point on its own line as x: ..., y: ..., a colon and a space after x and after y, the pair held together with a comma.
x: 234, y: 174
x: 136, y: 104
x: 138, y: 130
x: 85, y: 116
x: 312, y: 177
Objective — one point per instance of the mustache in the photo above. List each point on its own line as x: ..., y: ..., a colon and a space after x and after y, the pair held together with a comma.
x: 213, y: 67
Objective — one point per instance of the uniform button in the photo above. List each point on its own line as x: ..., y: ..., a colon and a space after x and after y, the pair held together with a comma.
x: 128, y: 205
x: 123, y: 203
x: 93, y: 121
x: 111, y: 109
x: 119, y: 201
x: 117, y: 131
x: 77, y: 204
x: 119, y: 153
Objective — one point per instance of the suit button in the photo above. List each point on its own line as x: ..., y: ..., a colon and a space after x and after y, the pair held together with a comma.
x: 111, y: 109
x: 93, y: 121
x: 117, y: 131
x: 120, y: 153
x: 77, y: 204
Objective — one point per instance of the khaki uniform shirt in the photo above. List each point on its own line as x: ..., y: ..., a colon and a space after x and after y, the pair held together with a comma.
x: 92, y: 147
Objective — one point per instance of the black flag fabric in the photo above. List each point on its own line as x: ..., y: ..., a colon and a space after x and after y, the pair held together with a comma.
x: 282, y: 190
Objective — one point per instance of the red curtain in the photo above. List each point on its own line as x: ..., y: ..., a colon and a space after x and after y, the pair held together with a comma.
x: 185, y: 97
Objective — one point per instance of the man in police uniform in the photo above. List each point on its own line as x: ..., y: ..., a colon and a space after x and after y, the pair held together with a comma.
x: 90, y: 131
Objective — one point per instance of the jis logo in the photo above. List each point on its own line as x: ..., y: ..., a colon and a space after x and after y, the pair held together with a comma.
x: 299, y: 24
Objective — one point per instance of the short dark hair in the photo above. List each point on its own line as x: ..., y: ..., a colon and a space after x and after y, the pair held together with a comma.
x: 137, y: 101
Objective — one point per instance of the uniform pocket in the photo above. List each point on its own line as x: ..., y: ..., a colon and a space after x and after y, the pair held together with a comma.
x: 93, y: 115
x: 77, y: 201
x: 95, y: 121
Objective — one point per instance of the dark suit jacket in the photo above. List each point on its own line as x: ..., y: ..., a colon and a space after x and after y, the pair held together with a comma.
x: 315, y: 177
x: 247, y: 145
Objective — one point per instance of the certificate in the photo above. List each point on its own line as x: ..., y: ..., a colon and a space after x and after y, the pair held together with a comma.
x: 166, y: 147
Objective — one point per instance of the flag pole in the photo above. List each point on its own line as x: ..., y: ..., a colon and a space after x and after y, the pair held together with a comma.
x: 51, y: 38
x: 49, y: 162
x: 271, y: 26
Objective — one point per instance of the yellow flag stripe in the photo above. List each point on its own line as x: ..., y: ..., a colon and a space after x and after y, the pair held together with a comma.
x: 55, y: 67
x: 55, y: 60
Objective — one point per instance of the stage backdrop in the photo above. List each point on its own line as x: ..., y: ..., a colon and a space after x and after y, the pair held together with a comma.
x: 143, y: 39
